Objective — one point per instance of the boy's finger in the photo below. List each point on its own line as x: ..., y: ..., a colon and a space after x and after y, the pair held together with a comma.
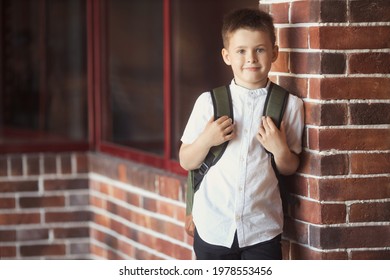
x: 270, y: 123
x: 222, y: 119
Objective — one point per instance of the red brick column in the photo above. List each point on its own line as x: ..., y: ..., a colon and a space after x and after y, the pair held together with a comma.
x: 336, y: 56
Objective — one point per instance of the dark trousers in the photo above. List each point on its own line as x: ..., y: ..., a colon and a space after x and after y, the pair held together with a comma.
x: 268, y: 250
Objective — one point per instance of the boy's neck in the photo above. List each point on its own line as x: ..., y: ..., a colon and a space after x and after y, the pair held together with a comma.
x: 264, y: 85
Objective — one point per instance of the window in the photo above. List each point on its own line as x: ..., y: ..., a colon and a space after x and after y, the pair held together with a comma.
x: 43, y: 75
x: 111, y: 75
x: 144, y: 108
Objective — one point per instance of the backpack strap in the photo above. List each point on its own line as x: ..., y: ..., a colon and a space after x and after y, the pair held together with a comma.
x: 223, y: 106
x: 275, y: 103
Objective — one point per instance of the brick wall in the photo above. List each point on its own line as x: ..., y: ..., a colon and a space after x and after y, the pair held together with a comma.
x: 336, y: 56
x: 44, y: 206
x: 89, y: 206
x: 138, y: 211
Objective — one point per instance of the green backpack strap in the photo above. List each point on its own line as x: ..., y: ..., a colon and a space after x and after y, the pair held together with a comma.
x: 274, y: 107
x: 275, y: 103
x: 223, y: 106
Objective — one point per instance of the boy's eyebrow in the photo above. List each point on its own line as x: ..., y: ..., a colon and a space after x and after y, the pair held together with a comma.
x: 243, y: 47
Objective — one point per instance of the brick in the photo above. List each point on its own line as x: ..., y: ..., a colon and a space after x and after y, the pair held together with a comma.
x: 349, y: 237
x: 375, y: 163
x: 33, y: 234
x: 370, y: 113
x: 370, y: 11
x: 67, y: 216
x: 49, y: 164
x: 3, y: 166
x: 326, y: 114
x: 350, y: 88
x: 299, y: 185
x: 370, y: 212
x: 7, y: 252
x: 82, y: 163
x: 43, y: 250
x: 82, y: 248
x: 122, y: 174
x: 352, y: 139
x: 346, y: 38
x: 279, y: 12
x: 282, y: 63
x: 16, y: 164
x: 71, y: 232
x: 7, y: 203
x: 296, y: 86
x: 7, y: 236
x: 333, y: 11
x: 305, y: 63
x: 79, y: 200
x: 42, y: 202
x: 369, y: 63
x: 66, y: 163
x: 315, y: 164
x: 345, y: 189
x: 299, y: 252
x: 293, y: 37
x: 33, y: 165
x: 18, y: 186
x: 65, y: 184
x: 296, y: 230
x: 371, y: 255
x: 317, y: 213
x: 169, y: 187
x: 333, y: 63
x: 20, y: 219
x: 305, y: 11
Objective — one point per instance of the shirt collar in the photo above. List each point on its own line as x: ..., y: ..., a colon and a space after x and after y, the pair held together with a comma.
x: 258, y: 91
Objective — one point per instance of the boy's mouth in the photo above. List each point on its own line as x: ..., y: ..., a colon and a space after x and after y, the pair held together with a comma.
x: 252, y: 69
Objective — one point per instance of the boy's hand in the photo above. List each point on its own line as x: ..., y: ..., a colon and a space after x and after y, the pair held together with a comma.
x: 218, y: 132
x: 272, y: 139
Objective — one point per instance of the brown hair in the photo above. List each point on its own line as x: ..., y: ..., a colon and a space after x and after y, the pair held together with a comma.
x: 247, y: 19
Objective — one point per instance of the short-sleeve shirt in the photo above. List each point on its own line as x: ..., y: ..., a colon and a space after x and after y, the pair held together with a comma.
x: 240, y: 193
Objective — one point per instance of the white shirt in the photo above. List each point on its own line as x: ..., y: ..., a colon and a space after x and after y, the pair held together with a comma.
x: 240, y: 193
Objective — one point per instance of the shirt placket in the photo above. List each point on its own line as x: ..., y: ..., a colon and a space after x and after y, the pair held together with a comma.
x: 248, y: 114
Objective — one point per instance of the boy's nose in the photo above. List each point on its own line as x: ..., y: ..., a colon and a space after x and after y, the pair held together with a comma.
x: 251, y: 58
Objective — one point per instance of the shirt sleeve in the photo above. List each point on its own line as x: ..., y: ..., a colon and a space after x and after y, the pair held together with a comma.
x: 200, y: 115
x: 294, y: 123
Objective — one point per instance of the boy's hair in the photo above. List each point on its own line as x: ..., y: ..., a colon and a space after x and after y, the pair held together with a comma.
x: 247, y: 19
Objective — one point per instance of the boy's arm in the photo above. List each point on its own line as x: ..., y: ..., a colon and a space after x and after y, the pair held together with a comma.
x: 274, y: 141
x: 215, y: 133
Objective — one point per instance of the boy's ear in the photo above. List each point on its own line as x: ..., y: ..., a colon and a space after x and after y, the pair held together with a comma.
x: 225, y: 56
x: 275, y: 53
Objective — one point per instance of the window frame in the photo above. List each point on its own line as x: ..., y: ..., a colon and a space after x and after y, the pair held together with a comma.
x: 97, y: 72
x: 59, y: 146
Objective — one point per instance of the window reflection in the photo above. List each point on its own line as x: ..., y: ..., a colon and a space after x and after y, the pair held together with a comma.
x: 43, y: 71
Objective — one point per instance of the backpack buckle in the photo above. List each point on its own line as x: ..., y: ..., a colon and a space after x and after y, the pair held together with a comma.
x: 203, y: 169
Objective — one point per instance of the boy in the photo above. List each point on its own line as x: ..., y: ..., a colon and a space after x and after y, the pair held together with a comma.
x: 237, y: 210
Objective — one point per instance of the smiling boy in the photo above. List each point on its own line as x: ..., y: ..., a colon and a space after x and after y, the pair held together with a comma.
x: 237, y: 210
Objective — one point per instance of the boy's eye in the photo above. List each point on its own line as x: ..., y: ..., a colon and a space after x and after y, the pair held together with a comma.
x: 260, y: 50
x: 241, y: 51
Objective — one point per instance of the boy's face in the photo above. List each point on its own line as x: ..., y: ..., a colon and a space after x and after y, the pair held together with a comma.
x: 250, y: 53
